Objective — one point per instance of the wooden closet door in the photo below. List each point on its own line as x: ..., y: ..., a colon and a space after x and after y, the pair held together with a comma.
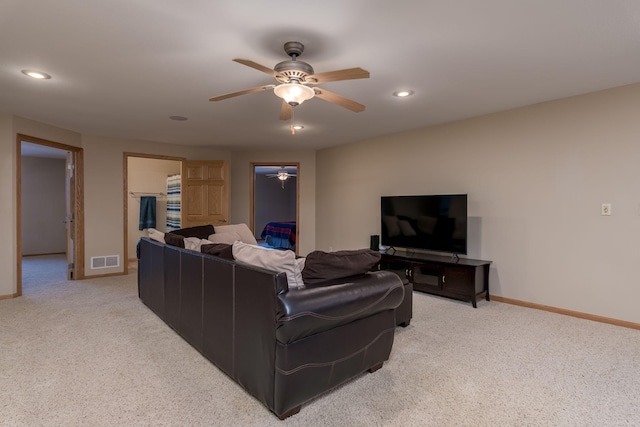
x: 205, y: 192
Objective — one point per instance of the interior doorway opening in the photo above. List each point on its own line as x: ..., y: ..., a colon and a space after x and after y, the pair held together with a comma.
x: 50, y: 218
x: 146, y: 175
x: 275, y: 204
x: 200, y: 188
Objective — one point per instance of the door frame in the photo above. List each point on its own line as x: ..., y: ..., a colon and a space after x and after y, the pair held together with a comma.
x: 78, y: 206
x: 252, y: 211
x: 125, y: 194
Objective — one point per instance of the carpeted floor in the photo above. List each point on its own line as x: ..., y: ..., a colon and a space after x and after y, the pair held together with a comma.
x: 90, y: 353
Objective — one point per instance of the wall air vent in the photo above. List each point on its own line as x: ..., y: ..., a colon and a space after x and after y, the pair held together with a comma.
x: 108, y: 261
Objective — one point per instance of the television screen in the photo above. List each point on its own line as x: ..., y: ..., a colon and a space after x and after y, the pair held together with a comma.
x: 431, y: 222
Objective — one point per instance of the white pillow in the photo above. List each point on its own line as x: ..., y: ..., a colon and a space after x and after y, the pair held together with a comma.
x: 195, y: 243
x: 227, y: 237
x: 246, y: 235
x: 270, y: 259
x: 156, y: 235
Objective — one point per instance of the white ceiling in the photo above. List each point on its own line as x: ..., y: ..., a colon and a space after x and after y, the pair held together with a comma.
x: 120, y: 67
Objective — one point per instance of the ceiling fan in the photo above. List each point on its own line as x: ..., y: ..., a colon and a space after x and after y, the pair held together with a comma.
x: 282, y: 175
x: 294, y: 79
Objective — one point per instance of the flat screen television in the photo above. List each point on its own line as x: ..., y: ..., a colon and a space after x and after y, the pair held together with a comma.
x: 429, y: 222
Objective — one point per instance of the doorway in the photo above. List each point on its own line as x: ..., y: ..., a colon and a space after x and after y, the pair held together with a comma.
x: 275, y: 204
x: 62, y: 230
x: 145, y: 175
x: 202, y: 194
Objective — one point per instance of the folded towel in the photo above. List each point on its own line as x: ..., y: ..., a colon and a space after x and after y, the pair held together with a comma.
x: 147, y: 212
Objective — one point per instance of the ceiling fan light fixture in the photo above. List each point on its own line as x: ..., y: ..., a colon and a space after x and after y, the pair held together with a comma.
x: 294, y: 94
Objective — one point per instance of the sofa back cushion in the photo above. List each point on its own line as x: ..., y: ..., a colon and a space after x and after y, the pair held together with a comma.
x: 243, y: 230
x: 227, y: 237
x: 270, y: 259
x: 326, y: 266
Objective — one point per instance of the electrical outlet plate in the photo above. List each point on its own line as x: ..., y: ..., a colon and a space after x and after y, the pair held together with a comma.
x: 606, y: 209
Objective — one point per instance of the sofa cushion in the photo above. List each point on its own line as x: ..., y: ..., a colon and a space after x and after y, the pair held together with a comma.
x: 243, y: 230
x: 270, y: 259
x: 227, y: 237
x: 201, y: 231
x: 326, y: 266
x: 221, y: 250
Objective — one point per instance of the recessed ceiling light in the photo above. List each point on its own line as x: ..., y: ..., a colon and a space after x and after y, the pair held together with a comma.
x: 178, y: 118
x: 403, y: 93
x: 298, y: 127
x: 36, y: 74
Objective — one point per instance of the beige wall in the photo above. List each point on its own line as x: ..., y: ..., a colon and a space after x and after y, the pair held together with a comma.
x: 147, y: 176
x: 7, y: 207
x: 241, y: 175
x: 103, y: 197
x: 103, y: 189
x: 41, y: 130
x: 10, y: 126
x: 43, y: 206
x: 536, y: 178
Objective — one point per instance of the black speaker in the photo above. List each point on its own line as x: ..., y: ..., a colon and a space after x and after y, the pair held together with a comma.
x: 375, y: 242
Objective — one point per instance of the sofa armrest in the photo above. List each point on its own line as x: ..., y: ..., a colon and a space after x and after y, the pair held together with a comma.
x: 307, y: 311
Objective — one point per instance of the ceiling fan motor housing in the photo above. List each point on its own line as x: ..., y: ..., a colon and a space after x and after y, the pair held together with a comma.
x: 292, y: 70
x: 294, y: 48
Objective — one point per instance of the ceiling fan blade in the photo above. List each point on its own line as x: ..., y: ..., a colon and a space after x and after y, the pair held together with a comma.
x: 242, y: 92
x: 339, y: 100
x: 285, y: 111
x: 334, y: 76
x: 257, y: 66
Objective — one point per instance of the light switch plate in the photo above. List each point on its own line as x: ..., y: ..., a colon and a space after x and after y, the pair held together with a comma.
x: 606, y: 209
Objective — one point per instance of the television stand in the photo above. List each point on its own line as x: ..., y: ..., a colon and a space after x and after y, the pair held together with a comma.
x: 450, y: 276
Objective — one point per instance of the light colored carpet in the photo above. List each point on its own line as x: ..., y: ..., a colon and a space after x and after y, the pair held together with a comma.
x: 90, y: 353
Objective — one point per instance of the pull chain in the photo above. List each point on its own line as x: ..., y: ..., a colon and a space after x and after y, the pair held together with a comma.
x: 293, y: 129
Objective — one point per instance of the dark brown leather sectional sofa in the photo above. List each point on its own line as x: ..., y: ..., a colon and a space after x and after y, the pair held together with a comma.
x: 283, y: 346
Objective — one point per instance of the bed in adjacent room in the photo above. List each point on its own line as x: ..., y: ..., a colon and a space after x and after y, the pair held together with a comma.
x: 281, y: 235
